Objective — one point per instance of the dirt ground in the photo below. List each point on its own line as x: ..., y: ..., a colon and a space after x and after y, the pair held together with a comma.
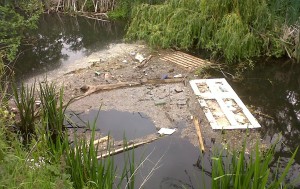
x: 167, y: 105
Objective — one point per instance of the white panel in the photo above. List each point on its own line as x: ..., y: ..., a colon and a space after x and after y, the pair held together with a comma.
x: 219, y: 90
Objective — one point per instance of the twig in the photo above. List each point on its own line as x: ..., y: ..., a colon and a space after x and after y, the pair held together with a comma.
x: 197, y: 126
x: 144, y: 62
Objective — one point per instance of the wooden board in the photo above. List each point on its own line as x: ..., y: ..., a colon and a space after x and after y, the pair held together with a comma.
x: 185, y: 60
x: 221, y: 105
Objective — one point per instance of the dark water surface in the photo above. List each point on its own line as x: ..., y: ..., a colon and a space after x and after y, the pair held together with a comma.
x: 130, y: 125
x: 61, y: 39
x: 168, y: 163
x: 272, y: 91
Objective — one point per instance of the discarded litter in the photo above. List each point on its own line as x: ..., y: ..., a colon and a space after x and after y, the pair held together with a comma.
x: 139, y: 57
x: 160, y: 102
x: 165, y: 76
x: 38, y: 103
x: 124, y: 61
x: 221, y: 105
x: 97, y: 73
x: 166, y: 131
x: 178, y: 76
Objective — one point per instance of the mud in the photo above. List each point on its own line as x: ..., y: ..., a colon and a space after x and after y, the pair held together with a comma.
x: 168, y: 105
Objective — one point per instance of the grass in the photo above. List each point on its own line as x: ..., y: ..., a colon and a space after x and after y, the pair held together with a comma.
x: 25, y: 102
x: 236, y: 170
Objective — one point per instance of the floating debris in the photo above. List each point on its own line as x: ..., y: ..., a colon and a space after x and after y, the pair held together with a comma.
x: 166, y: 131
x: 221, y: 105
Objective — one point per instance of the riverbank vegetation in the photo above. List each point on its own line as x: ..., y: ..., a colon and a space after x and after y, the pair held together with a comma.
x: 37, y: 151
x: 234, y: 30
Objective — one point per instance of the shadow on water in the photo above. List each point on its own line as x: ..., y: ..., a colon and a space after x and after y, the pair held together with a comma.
x: 171, y: 161
x: 118, y: 124
x: 61, y: 39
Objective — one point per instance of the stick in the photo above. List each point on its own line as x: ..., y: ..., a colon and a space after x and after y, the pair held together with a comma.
x: 144, y: 62
x: 101, y: 140
x: 117, y: 151
x: 106, y: 87
x: 197, y: 126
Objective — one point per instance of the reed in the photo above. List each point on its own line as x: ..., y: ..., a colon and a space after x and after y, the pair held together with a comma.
x: 236, y: 170
x: 52, y: 109
x: 25, y: 101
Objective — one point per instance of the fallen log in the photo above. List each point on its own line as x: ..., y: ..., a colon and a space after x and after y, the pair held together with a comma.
x: 197, y: 126
x: 90, y: 89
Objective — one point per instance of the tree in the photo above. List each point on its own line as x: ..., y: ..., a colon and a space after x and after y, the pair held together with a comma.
x: 16, y: 17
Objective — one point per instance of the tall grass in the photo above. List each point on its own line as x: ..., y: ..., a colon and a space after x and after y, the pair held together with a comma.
x: 53, y: 110
x: 25, y: 102
x: 236, y: 171
x: 84, y: 167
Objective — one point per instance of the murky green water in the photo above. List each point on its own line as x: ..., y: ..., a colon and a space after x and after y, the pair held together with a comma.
x: 61, y: 39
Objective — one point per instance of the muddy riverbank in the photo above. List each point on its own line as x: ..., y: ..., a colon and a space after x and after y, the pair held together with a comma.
x: 167, y: 105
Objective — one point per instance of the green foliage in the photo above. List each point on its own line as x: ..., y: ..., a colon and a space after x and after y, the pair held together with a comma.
x: 16, y: 17
x: 53, y: 110
x: 19, y: 168
x: 123, y: 7
x: 84, y: 167
x: 236, y: 30
x: 25, y: 102
x: 236, y: 171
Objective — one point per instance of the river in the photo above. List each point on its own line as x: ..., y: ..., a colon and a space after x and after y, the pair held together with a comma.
x: 271, y: 89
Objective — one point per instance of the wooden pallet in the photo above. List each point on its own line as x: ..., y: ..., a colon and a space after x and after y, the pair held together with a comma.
x: 185, y: 60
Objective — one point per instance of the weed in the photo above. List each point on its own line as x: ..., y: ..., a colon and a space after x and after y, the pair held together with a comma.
x: 25, y: 102
x: 237, y: 170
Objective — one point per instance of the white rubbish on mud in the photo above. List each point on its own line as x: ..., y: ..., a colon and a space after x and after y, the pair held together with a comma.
x: 166, y: 131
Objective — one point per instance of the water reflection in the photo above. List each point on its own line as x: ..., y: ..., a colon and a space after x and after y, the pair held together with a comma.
x: 62, y: 39
x: 271, y: 91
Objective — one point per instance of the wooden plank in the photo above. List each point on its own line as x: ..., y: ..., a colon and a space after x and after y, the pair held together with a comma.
x: 190, y: 57
x: 194, y: 60
x: 189, y: 62
x: 129, y: 147
x: 185, y: 60
x: 176, y: 62
x: 101, y: 140
x: 185, y: 66
x: 197, y: 126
